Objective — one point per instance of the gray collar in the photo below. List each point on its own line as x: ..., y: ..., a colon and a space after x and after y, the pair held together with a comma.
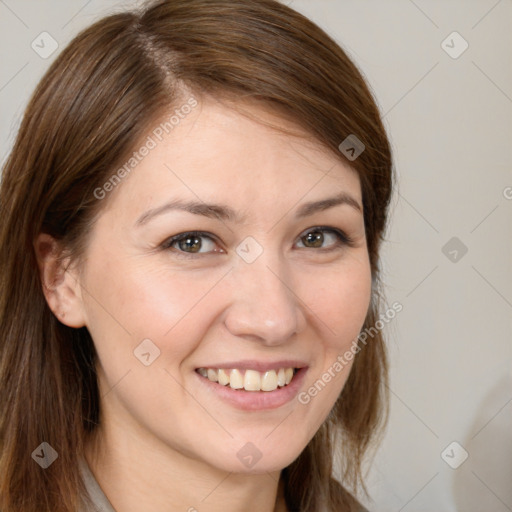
x: 97, y: 496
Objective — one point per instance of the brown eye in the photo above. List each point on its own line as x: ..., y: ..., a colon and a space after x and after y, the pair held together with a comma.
x: 313, y: 239
x: 191, y: 243
x: 325, y: 238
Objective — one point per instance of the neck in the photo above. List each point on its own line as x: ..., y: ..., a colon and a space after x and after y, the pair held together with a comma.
x: 145, y: 474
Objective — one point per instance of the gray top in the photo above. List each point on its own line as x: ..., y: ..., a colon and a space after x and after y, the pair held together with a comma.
x: 101, y: 503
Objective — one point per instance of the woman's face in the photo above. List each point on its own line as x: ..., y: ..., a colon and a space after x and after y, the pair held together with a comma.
x: 258, y: 290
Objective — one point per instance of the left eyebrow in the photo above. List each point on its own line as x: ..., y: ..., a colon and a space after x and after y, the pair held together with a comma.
x: 219, y: 211
x: 324, y: 204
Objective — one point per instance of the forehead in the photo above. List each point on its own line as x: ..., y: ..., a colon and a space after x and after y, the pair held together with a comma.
x: 233, y: 153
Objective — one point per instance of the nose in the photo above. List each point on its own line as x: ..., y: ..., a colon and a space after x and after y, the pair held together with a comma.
x: 265, y: 307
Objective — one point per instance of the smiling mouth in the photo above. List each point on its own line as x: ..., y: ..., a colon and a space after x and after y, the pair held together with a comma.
x: 249, y: 380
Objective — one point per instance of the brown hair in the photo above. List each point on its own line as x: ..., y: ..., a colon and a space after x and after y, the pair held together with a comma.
x: 98, y: 99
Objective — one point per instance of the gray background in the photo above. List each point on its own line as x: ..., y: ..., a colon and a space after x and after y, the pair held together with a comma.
x: 450, y: 121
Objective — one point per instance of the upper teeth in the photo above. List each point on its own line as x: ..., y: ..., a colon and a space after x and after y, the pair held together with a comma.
x: 250, y: 380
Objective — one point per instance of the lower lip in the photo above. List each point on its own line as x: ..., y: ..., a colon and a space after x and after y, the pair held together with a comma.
x: 256, y: 400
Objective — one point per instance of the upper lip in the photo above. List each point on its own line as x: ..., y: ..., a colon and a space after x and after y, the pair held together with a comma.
x: 260, y: 366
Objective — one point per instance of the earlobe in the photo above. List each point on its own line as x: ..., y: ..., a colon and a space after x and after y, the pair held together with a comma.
x: 60, y: 285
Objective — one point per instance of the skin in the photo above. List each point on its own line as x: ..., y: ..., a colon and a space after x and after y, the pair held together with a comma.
x: 164, y: 441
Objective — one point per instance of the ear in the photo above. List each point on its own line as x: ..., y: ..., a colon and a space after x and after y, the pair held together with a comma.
x: 61, y: 286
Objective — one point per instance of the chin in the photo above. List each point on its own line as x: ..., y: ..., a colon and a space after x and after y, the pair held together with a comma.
x: 257, y: 458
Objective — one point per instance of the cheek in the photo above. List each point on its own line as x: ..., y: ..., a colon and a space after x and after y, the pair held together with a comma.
x: 132, y: 303
x: 341, y: 303
x: 129, y: 302
x: 340, y: 299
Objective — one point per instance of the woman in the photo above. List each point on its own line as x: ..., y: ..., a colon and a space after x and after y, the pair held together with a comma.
x: 192, y: 214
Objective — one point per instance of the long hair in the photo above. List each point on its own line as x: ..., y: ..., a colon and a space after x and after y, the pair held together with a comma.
x: 96, y: 101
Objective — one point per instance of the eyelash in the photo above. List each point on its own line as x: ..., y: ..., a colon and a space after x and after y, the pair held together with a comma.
x: 342, y: 240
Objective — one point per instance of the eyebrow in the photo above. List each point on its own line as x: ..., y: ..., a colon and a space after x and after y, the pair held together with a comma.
x: 223, y: 212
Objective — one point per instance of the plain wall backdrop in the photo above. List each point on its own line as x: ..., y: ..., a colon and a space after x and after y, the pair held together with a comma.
x: 447, y: 103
